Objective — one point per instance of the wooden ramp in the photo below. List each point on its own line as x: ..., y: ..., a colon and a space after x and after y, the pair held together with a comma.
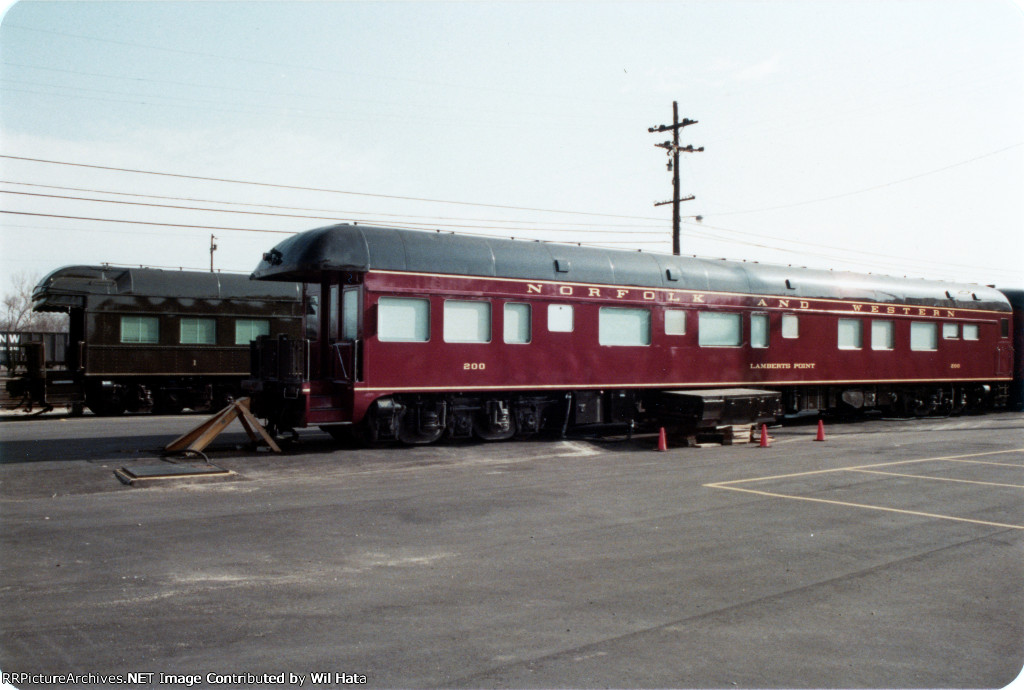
x: 200, y: 437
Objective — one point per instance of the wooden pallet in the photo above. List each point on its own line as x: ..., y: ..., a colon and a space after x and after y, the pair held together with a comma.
x: 722, y: 436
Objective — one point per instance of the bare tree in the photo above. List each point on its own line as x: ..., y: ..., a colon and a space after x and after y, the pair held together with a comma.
x: 16, y: 312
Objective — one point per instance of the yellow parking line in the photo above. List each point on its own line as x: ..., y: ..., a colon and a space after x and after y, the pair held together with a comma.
x: 869, y: 507
x: 730, y: 485
x: 997, y: 464
x: 940, y: 479
x: 958, y: 458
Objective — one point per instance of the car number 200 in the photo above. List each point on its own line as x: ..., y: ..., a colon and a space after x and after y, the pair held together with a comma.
x: 474, y: 366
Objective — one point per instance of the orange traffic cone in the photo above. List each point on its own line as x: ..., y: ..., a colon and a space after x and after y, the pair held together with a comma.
x: 821, y: 431
x: 764, y: 436
x: 662, y: 444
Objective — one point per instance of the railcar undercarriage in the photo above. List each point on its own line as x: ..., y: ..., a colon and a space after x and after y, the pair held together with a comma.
x: 415, y: 419
x: 419, y: 419
x: 910, y: 400
x: 115, y: 396
x: 159, y: 396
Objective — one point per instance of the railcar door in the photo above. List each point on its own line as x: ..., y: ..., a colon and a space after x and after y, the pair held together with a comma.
x: 73, y: 355
x: 1004, y: 359
x: 311, y: 327
x: 345, y: 325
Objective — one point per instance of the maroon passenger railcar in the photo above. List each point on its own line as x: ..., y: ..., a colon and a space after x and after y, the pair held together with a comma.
x: 420, y: 334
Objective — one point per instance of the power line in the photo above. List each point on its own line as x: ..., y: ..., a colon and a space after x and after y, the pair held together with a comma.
x: 347, y: 213
x: 310, y: 67
x: 204, y: 101
x: 293, y: 215
x: 873, y: 188
x: 923, y: 265
x: 236, y: 58
x: 803, y: 252
x: 805, y: 245
x: 191, y: 84
x: 348, y: 100
x: 901, y: 267
x: 227, y: 229
x: 320, y: 189
x: 401, y: 220
x: 410, y: 223
x: 133, y: 232
x: 146, y: 222
x: 248, y: 108
x: 405, y: 224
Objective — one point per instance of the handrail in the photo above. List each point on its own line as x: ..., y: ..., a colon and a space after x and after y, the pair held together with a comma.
x: 341, y: 360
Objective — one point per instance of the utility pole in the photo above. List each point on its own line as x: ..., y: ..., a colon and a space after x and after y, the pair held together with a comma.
x: 673, y: 148
x: 213, y: 248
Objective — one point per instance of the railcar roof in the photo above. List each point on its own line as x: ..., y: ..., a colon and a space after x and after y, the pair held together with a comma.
x: 360, y: 248
x: 67, y: 287
x: 1015, y: 296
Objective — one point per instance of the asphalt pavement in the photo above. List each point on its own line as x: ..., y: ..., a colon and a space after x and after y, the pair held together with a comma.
x: 889, y: 555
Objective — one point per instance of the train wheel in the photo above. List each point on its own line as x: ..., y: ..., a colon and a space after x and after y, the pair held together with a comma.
x: 168, y: 402
x: 483, y: 432
x: 112, y: 406
x: 495, y: 422
x: 414, y: 437
x: 420, y: 424
x: 921, y: 407
x: 223, y: 397
x: 913, y: 403
x: 977, y: 399
x: 378, y: 426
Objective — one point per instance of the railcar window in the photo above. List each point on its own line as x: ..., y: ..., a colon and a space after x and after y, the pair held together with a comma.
x: 924, y: 336
x: 140, y: 329
x: 718, y: 329
x: 467, y: 322
x: 198, y: 332
x: 332, y: 313
x: 403, y: 319
x: 851, y: 336
x: 247, y: 330
x: 790, y: 326
x: 970, y: 331
x: 350, y: 314
x: 1004, y: 328
x: 759, y: 330
x: 624, y: 326
x: 518, y: 328
x: 312, y: 319
x: 560, y: 318
x: 882, y: 335
x: 675, y: 322
x: 950, y: 331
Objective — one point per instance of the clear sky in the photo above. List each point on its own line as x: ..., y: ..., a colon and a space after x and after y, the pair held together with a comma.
x: 883, y: 136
